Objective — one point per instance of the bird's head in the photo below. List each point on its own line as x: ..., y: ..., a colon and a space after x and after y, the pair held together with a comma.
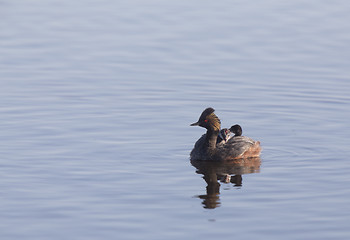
x: 208, y: 120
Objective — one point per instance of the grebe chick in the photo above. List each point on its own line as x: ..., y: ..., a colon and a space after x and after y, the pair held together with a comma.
x: 236, y: 129
x: 207, y: 149
x: 224, y: 136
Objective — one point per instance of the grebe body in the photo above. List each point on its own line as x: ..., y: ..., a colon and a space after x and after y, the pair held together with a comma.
x: 207, y: 147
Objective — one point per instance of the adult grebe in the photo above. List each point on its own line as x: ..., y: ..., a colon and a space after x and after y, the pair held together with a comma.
x: 206, y: 147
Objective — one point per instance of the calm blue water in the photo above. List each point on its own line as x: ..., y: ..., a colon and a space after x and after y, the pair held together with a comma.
x: 96, y: 101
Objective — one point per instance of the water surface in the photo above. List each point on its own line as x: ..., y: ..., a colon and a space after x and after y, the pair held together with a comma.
x: 97, y: 98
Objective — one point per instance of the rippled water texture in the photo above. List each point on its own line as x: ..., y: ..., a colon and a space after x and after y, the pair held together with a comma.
x: 96, y: 101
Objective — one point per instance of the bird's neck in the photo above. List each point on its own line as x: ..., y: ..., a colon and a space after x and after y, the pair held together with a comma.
x: 211, y: 139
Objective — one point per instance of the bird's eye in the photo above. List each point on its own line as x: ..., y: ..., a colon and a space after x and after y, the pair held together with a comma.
x: 206, y: 120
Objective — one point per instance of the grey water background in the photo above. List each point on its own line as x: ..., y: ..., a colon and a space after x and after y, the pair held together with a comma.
x: 97, y: 97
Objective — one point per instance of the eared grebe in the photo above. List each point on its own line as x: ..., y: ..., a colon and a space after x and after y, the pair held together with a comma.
x: 236, y: 129
x: 224, y: 136
x: 206, y: 147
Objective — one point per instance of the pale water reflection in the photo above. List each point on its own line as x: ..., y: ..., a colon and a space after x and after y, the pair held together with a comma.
x: 226, y: 172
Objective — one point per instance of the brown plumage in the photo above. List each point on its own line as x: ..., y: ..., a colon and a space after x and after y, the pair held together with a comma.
x: 207, y: 149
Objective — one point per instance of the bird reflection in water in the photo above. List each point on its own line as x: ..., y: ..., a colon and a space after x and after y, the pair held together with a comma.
x: 226, y: 172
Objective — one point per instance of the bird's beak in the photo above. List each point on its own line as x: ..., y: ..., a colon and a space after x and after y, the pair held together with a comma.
x: 195, y: 124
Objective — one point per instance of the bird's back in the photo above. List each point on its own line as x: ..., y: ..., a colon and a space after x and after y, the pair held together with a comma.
x: 236, y: 147
x: 239, y: 147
